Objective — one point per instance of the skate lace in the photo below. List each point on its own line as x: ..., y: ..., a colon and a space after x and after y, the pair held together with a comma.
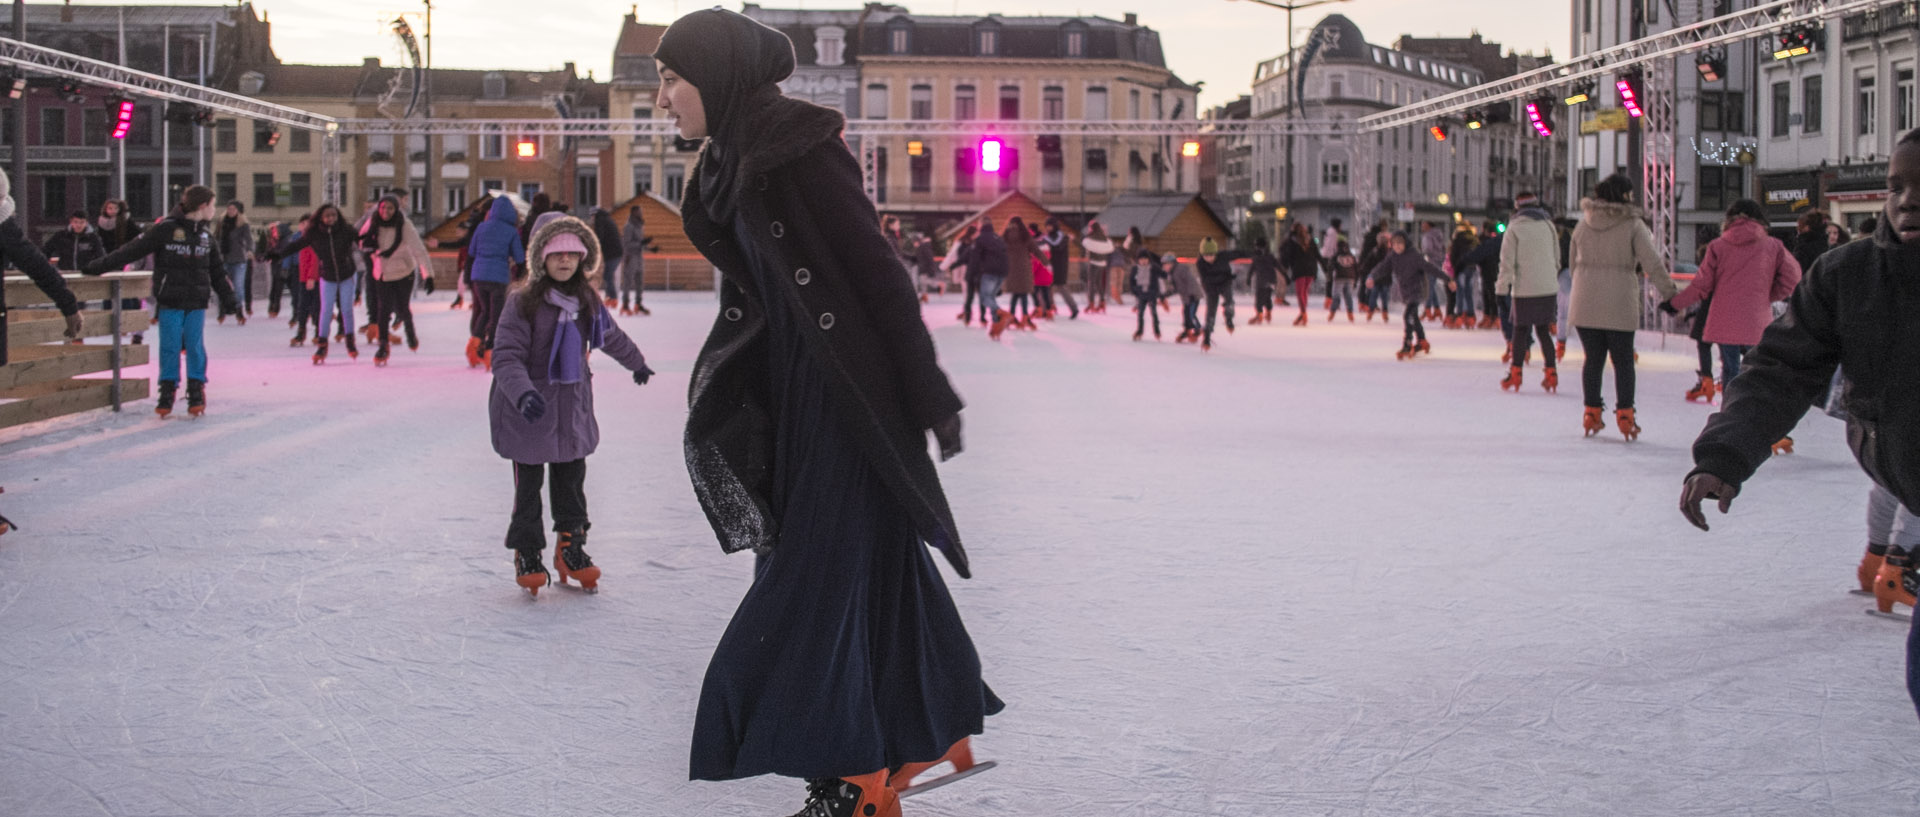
x: 574, y: 553
x: 527, y: 561
x: 827, y: 797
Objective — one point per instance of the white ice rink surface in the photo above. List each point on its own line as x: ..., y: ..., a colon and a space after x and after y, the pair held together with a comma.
x: 1289, y: 577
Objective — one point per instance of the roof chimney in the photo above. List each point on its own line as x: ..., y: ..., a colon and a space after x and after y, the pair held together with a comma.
x: 1133, y: 19
x: 370, y: 62
x: 569, y: 69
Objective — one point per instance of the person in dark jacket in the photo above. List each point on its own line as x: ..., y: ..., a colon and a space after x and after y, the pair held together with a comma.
x: 1412, y: 277
x: 236, y: 247
x: 1466, y: 278
x: 1145, y: 281
x: 1300, y: 259
x: 846, y: 663
x: 635, y: 244
x: 1216, y: 281
x: 540, y: 408
x: 1376, y: 298
x: 1810, y: 242
x: 989, y: 260
x: 187, y: 270
x: 1020, y: 247
x: 16, y: 249
x: 540, y: 204
x: 75, y: 246
x: 1484, y: 258
x: 334, y: 242
x: 960, y: 254
x: 1852, y: 312
x: 1059, y: 247
x: 497, y: 251
x: 608, y: 233
x: 1265, y: 273
x: 1345, y: 281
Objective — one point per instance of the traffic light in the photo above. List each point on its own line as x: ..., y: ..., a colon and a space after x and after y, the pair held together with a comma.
x: 1439, y: 131
x: 526, y: 149
x: 991, y: 151
x: 1540, y: 116
x: 1629, y: 84
x: 1190, y: 149
x: 123, y: 113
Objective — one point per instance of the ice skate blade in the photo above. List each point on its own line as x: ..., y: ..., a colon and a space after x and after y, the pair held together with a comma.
x: 922, y: 788
x: 1867, y: 593
x: 1895, y: 616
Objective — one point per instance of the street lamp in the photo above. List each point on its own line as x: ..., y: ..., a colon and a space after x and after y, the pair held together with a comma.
x: 1286, y: 110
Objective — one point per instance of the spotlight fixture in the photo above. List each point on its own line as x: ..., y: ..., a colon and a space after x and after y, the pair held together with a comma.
x: 1440, y: 131
x: 1475, y: 119
x: 1540, y: 116
x: 1797, y: 41
x: 1712, y: 64
x: 122, y: 109
x: 1580, y: 92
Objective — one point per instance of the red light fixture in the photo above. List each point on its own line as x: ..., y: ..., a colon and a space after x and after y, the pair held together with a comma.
x: 991, y: 154
x: 1538, y: 118
x: 1439, y: 132
x: 123, y: 110
x: 1629, y: 88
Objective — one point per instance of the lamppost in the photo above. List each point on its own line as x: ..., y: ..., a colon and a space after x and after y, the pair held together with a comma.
x: 1286, y: 110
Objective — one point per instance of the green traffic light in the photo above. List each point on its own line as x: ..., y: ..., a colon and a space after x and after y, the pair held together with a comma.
x: 1500, y: 228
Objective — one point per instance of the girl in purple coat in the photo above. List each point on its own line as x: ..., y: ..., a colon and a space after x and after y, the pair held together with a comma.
x: 541, y: 404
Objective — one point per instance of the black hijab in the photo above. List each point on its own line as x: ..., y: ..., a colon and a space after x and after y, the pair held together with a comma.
x: 735, y: 62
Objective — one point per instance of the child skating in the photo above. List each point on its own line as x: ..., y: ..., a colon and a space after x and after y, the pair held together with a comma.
x: 541, y: 404
x: 1410, y: 274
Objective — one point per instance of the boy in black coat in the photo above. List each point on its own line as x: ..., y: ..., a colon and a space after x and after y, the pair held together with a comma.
x: 1853, y: 311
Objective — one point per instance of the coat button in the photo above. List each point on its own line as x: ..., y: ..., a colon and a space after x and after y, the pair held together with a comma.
x: 826, y: 320
x: 733, y: 313
x: 802, y: 277
x: 779, y: 230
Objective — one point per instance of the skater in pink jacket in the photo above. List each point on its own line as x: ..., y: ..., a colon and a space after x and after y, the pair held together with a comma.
x: 1745, y: 272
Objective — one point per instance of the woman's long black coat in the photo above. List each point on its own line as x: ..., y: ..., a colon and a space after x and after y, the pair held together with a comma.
x: 798, y: 190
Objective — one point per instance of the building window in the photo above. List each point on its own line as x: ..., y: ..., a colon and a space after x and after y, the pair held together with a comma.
x: 1903, y: 99
x: 676, y: 182
x: 529, y: 189
x: 1811, y: 103
x: 1720, y: 186
x: 1710, y: 110
x: 1053, y: 172
x: 1009, y: 168
x: 263, y: 138
x: 492, y: 185
x: 920, y: 172
x: 1053, y: 102
x: 417, y: 200
x: 300, y: 190
x: 226, y: 186
x: 829, y: 46
x: 301, y: 141
x: 1782, y: 105
x: 586, y: 189
x: 899, y: 40
x: 226, y: 136
x: 262, y: 190
x: 93, y: 127
x: 1133, y: 104
x: 642, y: 179
x: 1333, y: 173
x: 963, y: 170
x: 1095, y: 178
x: 920, y: 102
x: 53, y: 128
x: 880, y: 173
x: 1096, y: 104
x: 965, y: 104
x: 1396, y: 179
x: 1076, y: 44
x: 987, y: 43
x: 53, y: 197
x: 876, y: 106
x: 492, y: 146
x: 493, y: 85
x: 1009, y: 102
x: 1866, y: 105
x: 1733, y: 108
x: 456, y: 198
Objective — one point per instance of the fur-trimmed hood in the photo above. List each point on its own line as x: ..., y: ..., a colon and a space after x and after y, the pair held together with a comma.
x: 537, y: 243
x: 780, y: 133
x: 6, y: 197
x: 1606, y: 215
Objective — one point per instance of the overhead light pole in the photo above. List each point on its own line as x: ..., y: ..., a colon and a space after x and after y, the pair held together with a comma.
x: 1286, y: 109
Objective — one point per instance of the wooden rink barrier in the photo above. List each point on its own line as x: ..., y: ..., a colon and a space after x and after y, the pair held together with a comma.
x: 44, y: 374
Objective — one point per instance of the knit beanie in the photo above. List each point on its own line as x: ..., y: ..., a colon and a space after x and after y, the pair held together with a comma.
x: 1209, y: 247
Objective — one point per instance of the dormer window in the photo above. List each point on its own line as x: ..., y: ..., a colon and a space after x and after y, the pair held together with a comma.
x: 1073, y: 39
x: 986, y: 40
x: 899, y: 37
x: 829, y: 46
x: 494, y: 85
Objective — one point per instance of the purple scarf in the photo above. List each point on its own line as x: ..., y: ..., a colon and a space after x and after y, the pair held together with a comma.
x: 569, y: 356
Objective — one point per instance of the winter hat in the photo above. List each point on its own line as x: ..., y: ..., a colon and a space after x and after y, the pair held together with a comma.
x: 562, y: 234
x: 1208, y: 246
x: 564, y: 242
x: 1525, y: 200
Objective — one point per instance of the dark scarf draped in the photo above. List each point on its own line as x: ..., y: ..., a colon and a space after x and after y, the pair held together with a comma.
x: 736, y: 63
x: 375, y: 224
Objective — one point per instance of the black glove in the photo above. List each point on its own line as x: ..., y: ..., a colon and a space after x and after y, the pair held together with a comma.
x: 532, y: 406
x: 947, y: 432
x: 1667, y: 307
x: 640, y: 375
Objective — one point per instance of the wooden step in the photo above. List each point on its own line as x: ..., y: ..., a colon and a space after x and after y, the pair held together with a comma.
x: 26, y: 327
x: 43, y: 401
x: 22, y: 291
x: 28, y: 365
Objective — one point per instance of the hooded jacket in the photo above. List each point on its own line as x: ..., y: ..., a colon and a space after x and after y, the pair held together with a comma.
x: 496, y: 245
x: 1409, y: 273
x: 1613, y: 258
x: 236, y: 239
x: 1019, y: 260
x: 1186, y: 281
x: 1745, y: 272
x: 1299, y: 260
x: 797, y: 192
x: 1529, y: 256
x: 70, y: 250
x: 989, y: 256
x: 1854, y: 310
x: 522, y: 349
x: 186, y: 262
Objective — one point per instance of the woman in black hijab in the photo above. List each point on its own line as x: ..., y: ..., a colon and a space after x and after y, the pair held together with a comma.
x: 846, y: 663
